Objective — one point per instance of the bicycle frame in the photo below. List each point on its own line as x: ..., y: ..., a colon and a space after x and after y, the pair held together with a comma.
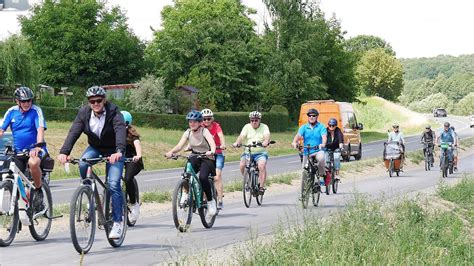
x: 191, y: 176
x: 19, y: 180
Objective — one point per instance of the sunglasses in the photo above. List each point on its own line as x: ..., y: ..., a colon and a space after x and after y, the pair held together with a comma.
x: 25, y: 101
x: 332, y: 126
x: 254, y: 120
x: 207, y: 119
x: 96, y: 101
x: 312, y: 116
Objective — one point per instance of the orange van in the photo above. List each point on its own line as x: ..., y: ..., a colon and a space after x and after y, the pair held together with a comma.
x: 346, y: 121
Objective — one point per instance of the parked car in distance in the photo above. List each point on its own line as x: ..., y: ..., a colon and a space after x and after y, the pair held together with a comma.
x: 471, y: 121
x: 440, y: 112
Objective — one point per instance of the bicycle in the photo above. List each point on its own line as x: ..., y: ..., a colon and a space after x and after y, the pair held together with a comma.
x: 309, y: 178
x: 85, y: 201
x: 330, y: 180
x: 428, y: 155
x: 189, y: 184
x: 392, y: 155
x: 251, y: 185
x: 445, y: 163
x: 17, y: 185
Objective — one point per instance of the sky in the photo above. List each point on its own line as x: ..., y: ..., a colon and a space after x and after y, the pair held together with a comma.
x: 414, y: 28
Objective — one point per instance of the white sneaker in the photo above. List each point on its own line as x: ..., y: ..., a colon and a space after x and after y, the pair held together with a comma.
x: 25, y: 220
x: 134, y: 212
x: 116, y: 231
x: 211, y: 208
x: 184, y: 198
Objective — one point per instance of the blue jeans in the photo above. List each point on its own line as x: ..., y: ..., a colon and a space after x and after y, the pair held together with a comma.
x: 114, y: 174
x: 337, y: 159
x: 220, y: 158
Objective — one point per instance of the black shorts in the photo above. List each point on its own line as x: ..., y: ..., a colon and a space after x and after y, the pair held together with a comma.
x: 22, y: 162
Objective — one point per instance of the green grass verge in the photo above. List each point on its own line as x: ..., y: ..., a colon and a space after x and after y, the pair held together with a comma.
x: 462, y: 194
x: 367, y: 233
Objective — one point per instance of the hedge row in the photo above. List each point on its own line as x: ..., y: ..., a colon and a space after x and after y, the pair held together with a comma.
x: 231, y: 122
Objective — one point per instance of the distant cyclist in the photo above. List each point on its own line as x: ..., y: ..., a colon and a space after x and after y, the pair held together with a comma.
x: 335, y: 140
x: 133, y: 150
x: 255, y: 131
x: 429, y: 136
x: 397, y: 135
x: 314, y: 134
x: 199, y: 140
x: 455, y: 149
x: 446, y: 135
x: 216, y: 132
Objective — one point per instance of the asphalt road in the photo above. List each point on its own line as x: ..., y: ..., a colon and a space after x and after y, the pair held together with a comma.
x: 166, y: 179
x: 155, y: 240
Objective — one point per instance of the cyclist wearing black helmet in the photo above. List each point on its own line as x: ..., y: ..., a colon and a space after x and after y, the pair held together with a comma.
x: 106, y: 133
x: 447, y: 135
x: 428, y: 136
x: 199, y: 140
x: 335, y: 140
x: 313, y: 134
x: 27, y: 124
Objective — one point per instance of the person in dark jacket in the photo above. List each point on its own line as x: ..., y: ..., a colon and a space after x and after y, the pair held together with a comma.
x: 335, y: 140
x: 106, y: 133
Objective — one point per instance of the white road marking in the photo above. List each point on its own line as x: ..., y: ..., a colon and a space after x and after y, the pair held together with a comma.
x: 292, y: 162
x: 65, y: 189
x: 164, y: 178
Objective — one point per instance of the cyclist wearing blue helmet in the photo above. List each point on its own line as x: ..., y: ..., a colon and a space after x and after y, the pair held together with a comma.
x: 133, y: 150
x: 335, y: 140
x: 199, y: 140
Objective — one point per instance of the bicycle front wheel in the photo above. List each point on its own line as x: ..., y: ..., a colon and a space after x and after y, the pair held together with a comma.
x: 82, y: 220
x: 335, y: 183
x: 316, y: 193
x: 110, y: 222
x: 8, y: 223
x: 306, y: 187
x: 182, y: 207
x: 247, y: 188
x: 41, y: 219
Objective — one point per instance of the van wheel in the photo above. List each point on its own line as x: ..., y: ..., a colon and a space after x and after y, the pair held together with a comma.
x: 358, y: 156
x: 347, y: 158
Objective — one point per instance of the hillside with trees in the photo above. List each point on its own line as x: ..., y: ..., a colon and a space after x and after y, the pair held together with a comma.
x: 442, y: 81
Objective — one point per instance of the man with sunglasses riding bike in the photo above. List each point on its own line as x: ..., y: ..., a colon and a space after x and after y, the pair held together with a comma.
x: 27, y: 124
x: 314, y: 134
x: 106, y: 133
x: 259, y: 133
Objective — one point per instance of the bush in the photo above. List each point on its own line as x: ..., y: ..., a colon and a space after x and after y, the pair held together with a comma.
x: 149, y: 96
x: 466, y: 105
x: 231, y: 122
x: 438, y: 100
x: 279, y: 109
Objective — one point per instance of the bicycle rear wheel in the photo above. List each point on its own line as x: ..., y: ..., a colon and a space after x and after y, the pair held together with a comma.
x: 247, y: 188
x: 41, y: 219
x: 82, y: 219
x: 129, y: 209
x: 306, y: 187
x: 182, y: 212
x: 206, y: 220
x: 109, y: 219
x: 8, y: 223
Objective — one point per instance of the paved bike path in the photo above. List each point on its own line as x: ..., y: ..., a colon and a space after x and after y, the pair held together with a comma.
x: 155, y: 239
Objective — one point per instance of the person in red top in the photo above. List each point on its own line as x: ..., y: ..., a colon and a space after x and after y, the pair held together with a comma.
x: 216, y: 132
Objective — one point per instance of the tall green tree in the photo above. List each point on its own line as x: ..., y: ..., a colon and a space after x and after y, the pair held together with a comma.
x: 380, y: 74
x: 363, y: 43
x: 81, y: 42
x: 305, y: 57
x: 16, y: 64
x: 208, y: 38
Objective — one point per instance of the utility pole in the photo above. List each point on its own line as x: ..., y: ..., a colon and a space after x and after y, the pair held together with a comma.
x: 65, y: 93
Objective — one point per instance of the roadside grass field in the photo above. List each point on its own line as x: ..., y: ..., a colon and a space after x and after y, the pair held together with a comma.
x: 155, y: 143
x: 371, y: 232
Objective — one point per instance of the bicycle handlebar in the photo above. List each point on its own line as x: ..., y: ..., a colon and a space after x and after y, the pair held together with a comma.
x: 95, y: 160
x: 255, y: 144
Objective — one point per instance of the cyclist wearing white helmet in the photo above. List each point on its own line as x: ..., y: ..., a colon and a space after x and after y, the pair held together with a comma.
x: 397, y: 135
x: 255, y: 132
x: 133, y: 150
x: 216, y: 132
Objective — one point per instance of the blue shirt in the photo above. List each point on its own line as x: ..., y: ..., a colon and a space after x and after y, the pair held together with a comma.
x: 24, y: 125
x: 446, y: 136
x: 312, y: 136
